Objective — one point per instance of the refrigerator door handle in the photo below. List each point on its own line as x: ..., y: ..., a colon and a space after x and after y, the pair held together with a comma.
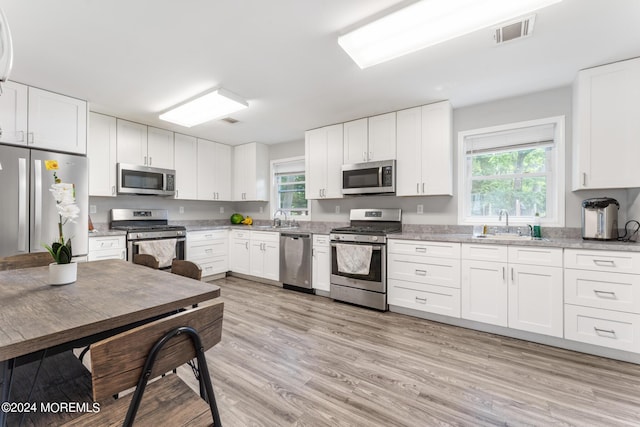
x: 22, y: 205
x: 37, y: 202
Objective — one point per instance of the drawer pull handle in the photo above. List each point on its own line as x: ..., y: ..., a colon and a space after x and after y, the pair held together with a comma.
x: 208, y: 250
x: 610, y: 294
x: 604, y: 262
x: 421, y: 272
x: 420, y: 300
x: 604, y: 331
x: 421, y: 250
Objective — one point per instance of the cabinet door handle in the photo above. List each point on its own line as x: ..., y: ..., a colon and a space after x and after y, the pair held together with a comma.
x: 423, y: 188
x: 113, y: 190
x: 150, y: 160
x: 364, y: 156
x: 421, y: 250
x: 246, y: 245
x: 370, y: 155
x: 600, y: 293
x: 504, y: 274
x: 421, y: 300
x: 604, y: 331
x: 21, y: 136
x: 584, y: 179
x: 512, y: 280
x: 30, y: 137
x: 421, y: 272
x: 604, y: 262
x: 417, y: 188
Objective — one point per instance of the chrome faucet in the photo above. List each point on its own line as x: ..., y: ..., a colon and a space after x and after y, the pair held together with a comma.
x: 276, y: 221
x: 506, y: 213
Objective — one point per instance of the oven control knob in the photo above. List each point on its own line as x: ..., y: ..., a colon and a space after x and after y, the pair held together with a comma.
x: 374, y: 238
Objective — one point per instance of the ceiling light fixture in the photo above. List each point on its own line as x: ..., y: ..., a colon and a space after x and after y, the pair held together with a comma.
x: 214, y: 104
x: 429, y: 22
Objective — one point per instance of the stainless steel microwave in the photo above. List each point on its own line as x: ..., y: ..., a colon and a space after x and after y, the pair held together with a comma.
x: 135, y: 179
x: 369, y: 178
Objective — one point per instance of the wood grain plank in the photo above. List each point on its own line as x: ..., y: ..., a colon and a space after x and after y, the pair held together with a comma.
x: 291, y: 359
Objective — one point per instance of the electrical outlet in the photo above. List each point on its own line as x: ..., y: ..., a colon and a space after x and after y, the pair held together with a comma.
x: 93, y: 209
x: 221, y: 209
x: 181, y: 209
x: 337, y: 209
x: 420, y: 209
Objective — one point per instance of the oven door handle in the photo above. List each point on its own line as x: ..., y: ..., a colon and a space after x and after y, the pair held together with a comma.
x: 178, y: 240
x: 374, y: 247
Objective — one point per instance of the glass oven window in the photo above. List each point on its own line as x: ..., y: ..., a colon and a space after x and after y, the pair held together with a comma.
x: 375, y: 268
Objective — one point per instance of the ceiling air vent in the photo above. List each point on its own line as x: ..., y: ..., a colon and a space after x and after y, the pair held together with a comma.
x: 514, y: 30
x: 229, y: 120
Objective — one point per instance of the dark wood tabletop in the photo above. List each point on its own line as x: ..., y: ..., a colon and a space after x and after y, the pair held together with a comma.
x: 107, y: 294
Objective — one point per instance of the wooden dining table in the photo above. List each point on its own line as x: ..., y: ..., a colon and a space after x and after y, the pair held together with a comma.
x: 108, y: 297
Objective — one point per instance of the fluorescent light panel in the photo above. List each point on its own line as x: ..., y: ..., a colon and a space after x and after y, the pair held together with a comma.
x: 217, y: 103
x: 429, y: 22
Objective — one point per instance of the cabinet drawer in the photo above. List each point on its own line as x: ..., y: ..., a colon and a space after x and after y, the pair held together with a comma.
x: 620, y: 262
x: 206, y: 235
x: 216, y: 266
x: 612, y: 291
x: 420, y: 269
x: 104, y: 243
x: 428, y: 298
x: 321, y: 240
x: 551, y: 257
x: 107, y: 254
x: 434, y: 249
x: 265, y: 236
x: 602, y: 327
x: 240, y: 234
x: 207, y: 251
x: 484, y: 252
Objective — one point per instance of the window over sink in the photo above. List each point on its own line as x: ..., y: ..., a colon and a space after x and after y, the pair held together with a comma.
x: 516, y: 167
x: 289, y: 188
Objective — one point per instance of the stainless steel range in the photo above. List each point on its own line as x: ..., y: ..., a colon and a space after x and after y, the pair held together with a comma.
x: 359, y: 257
x: 148, y: 229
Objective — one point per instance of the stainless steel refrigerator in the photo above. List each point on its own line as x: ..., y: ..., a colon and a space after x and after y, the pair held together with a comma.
x: 28, y: 209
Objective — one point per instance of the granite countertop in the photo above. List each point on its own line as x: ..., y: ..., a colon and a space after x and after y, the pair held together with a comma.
x: 555, y: 242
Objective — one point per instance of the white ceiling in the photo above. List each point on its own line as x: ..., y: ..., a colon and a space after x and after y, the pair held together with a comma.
x: 134, y: 59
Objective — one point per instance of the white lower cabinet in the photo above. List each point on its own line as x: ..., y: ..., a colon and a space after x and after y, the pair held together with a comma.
x: 210, y: 250
x: 107, y: 247
x: 239, y: 251
x: 522, y: 291
x: 602, y: 298
x: 321, y: 263
x: 264, y: 256
x: 424, y: 276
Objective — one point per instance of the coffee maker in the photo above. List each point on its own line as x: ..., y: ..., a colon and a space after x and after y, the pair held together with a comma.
x: 600, y: 218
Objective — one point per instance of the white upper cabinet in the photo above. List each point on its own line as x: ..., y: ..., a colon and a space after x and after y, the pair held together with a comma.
x: 101, y: 153
x: 323, y: 162
x: 424, y: 150
x: 250, y: 172
x: 13, y: 113
x: 606, y: 128
x: 132, y: 142
x: 160, y: 148
x: 40, y: 119
x: 142, y: 145
x: 214, y: 171
x: 57, y: 122
x: 185, y: 157
x: 382, y: 137
x: 370, y: 139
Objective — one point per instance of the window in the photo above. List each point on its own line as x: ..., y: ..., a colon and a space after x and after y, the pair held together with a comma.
x: 518, y: 168
x: 289, y: 188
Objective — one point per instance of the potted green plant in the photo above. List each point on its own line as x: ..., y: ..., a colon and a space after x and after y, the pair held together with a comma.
x: 62, y: 271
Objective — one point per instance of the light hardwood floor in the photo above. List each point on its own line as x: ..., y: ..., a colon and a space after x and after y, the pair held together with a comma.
x: 290, y: 359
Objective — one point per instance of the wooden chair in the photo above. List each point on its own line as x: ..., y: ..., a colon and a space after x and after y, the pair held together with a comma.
x: 187, y: 269
x: 135, y: 356
x: 34, y: 259
x: 146, y: 260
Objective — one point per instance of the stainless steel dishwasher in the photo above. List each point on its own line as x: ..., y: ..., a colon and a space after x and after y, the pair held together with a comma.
x: 295, y: 261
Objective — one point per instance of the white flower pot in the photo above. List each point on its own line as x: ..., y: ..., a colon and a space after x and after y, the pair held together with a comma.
x: 62, y: 274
